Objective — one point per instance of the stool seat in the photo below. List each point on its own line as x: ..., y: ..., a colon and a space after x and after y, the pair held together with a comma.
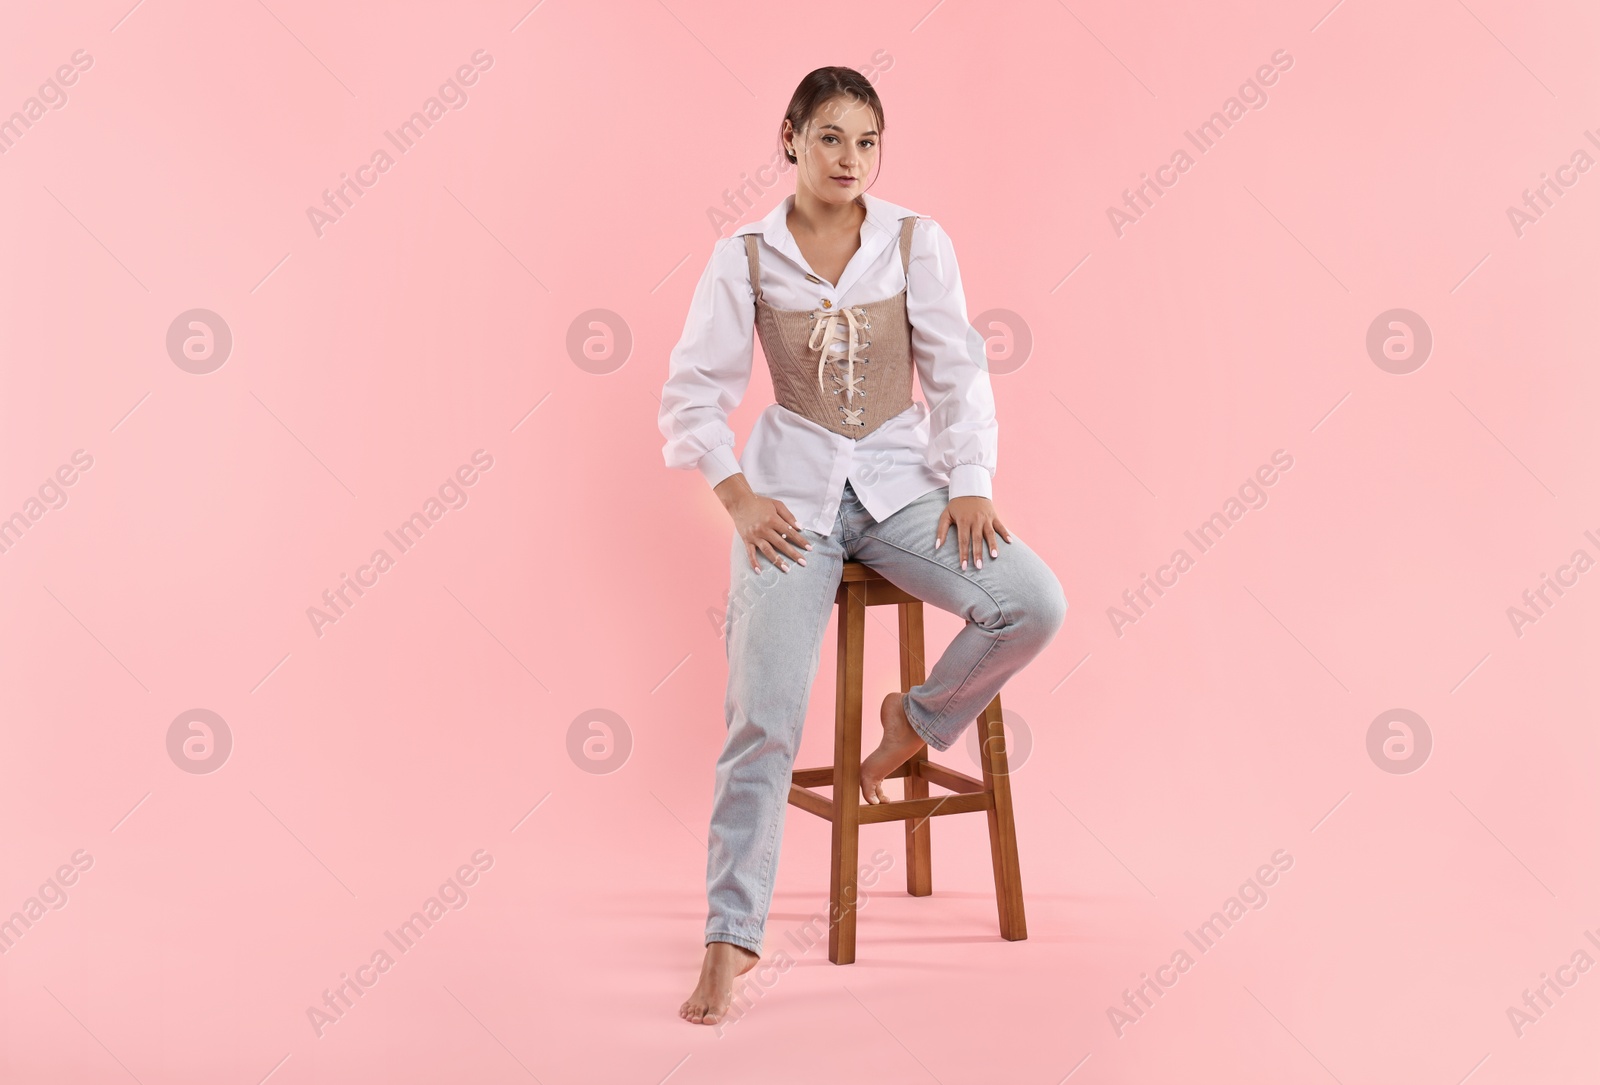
x: 860, y: 587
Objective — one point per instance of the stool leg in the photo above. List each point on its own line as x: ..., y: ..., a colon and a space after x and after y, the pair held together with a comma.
x: 1002, y: 825
x: 847, y: 774
x: 919, y: 835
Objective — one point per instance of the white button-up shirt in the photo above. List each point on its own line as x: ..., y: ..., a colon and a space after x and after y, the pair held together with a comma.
x: 951, y: 439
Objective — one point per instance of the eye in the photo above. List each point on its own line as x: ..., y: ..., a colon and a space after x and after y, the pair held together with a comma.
x: 869, y: 143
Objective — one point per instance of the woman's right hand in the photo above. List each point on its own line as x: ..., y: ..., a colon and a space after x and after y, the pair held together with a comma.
x: 763, y: 523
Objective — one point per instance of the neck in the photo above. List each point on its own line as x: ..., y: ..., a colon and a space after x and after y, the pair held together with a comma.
x: 817, y: 216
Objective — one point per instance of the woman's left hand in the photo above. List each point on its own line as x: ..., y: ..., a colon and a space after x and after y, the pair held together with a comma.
x: 976, y: 525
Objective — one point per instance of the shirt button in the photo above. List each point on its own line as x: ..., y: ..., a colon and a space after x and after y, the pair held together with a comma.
x: 826, y: 304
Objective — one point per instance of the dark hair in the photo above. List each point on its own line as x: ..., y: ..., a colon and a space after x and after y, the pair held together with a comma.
x: 820, y: 85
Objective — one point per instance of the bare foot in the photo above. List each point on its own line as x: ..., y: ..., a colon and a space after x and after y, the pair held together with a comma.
x: 899, y: 743
x: 724, y: 963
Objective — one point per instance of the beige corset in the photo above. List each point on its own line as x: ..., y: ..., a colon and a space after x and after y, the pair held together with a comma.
x: 867, y: 347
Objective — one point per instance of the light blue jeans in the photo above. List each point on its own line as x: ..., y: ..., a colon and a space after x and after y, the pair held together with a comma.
x: 773, y: 633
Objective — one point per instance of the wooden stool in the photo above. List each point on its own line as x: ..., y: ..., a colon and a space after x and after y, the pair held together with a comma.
x: 861, y: 587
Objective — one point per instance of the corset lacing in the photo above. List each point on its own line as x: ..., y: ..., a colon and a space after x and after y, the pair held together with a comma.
x: 826, y: 334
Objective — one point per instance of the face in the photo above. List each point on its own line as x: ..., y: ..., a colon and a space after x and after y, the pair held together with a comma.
x: 837, y: 151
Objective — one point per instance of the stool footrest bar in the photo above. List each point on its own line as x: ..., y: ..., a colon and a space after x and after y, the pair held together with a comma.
x: 893, y: 810
x: 950, y: 778
x: 934, y: 774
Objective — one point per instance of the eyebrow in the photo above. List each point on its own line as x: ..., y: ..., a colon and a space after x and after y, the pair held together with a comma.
x: 836, y: 128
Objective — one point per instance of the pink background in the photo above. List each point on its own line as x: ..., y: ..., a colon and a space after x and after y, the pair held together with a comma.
x: 1168, y: 763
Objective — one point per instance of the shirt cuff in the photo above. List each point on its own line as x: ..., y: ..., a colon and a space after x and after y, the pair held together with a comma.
x: 971, y: 480
x: 719, y: 463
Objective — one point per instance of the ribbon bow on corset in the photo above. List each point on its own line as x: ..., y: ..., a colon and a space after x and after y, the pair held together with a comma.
x: 825, y: 334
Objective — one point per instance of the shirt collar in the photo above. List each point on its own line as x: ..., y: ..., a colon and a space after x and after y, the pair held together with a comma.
x: 881, y: 214
x: 878, y: 230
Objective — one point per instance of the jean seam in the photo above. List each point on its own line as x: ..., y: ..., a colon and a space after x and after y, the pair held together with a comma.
x: 766, y: 862
x: 740, y: 940
x: 925, y: 734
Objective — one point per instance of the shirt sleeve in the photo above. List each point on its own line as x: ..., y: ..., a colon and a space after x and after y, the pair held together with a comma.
x: 709, y: 369
x: 952, y: 366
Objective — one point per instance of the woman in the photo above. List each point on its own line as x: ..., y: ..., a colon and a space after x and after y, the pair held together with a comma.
x: 848, y: 293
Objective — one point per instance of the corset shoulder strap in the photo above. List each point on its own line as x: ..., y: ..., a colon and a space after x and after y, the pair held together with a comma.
x: 906, y: 225
x: 755, y: 264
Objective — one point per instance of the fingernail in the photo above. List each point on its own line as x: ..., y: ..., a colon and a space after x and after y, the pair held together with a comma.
x: 802, y: 561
